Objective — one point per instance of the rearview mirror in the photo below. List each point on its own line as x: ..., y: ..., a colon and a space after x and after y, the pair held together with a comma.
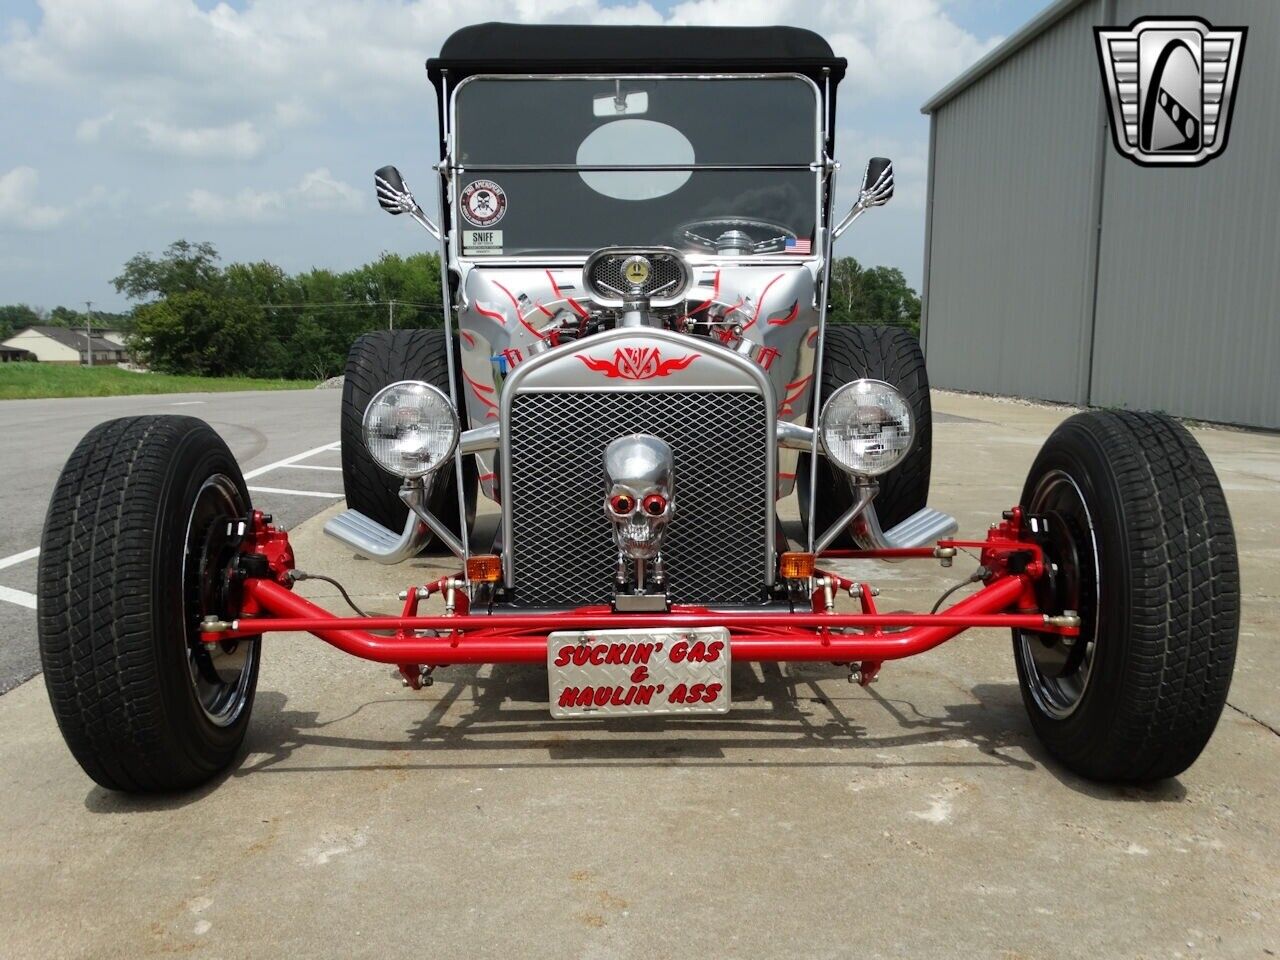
x: 395, y: 198
x: 393, y: 195
x: 623, y: 103
x: 876, y: 191
x: 877, y: 182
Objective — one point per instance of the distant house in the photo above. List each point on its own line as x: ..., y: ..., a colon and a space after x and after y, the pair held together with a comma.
x: 14, y: 355
x: 64, y: 345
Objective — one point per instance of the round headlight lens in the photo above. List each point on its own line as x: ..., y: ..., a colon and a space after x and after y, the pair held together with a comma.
x: 410, y: 428
x: 867, y: 427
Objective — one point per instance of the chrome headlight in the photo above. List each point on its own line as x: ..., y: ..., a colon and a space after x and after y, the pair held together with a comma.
x: 866, y: 427
x: 410, y: 428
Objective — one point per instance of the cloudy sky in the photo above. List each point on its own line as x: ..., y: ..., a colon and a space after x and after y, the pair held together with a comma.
x: 256, y: 124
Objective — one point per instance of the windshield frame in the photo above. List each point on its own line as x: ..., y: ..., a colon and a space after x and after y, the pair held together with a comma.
x: 820, y: 166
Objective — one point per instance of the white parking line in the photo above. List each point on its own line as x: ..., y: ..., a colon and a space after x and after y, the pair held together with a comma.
x: 24, y: 599
x: 287, y: 461
x: 18, y: 558
x: 295, y: 493
x: 20, y: 597
x: 310, y: 466
x: 189, y: 403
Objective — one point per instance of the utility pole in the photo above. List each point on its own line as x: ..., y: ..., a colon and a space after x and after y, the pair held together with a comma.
x: 391, y: 314
x: 88, y: 329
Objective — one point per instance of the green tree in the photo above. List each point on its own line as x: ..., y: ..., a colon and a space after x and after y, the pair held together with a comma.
x: 280, y: 325
x: 66, y: 317
x: 872, y: 295
x: 184, y: 267
x: 15, y: 316
x: 198, y: 332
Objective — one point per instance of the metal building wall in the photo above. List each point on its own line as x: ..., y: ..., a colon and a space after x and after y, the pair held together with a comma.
x: 1010, y: 257
x: 1058, y: 269
x: 1188, y: 317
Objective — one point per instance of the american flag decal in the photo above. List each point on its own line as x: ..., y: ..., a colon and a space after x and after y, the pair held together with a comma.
x: 803, y: 247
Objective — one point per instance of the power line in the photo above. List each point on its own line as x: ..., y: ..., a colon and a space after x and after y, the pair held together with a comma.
x: 349, y: 304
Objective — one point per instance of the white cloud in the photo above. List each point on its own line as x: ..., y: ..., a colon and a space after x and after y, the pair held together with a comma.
x: 218, y: 82
x: 317, y: 191
x: 253, y: 206
x: 232, y: 141
x: 235, y: 141
x: 18, y: 207
x: 90, y: 129
x: 272, y: 88
x: 907, y: 47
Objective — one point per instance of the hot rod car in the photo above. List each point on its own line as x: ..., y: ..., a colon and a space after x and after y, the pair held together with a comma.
x: 636, y: 367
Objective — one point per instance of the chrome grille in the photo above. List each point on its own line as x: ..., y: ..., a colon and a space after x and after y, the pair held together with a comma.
x: 562, y: 544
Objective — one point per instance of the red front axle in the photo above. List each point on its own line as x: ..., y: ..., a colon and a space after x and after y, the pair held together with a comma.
x: 522, y: 638
x: 1007, y: 600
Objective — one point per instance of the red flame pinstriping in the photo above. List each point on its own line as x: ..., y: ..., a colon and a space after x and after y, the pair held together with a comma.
x: 520, y: 316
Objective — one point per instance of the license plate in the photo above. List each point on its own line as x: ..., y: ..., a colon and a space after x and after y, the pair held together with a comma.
x: 595, y: 673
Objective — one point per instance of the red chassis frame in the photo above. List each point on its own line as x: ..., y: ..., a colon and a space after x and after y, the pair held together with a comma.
x: 1007, y: 600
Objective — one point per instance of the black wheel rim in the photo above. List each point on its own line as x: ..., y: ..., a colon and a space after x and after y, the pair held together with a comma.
x: 1058, y: 668
x: 220, y: 673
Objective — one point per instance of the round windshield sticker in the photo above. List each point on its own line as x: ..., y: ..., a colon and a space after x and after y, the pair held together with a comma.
x: 483, y: 203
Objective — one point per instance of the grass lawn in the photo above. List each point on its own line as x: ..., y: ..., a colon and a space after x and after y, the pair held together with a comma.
x: 29, y: 381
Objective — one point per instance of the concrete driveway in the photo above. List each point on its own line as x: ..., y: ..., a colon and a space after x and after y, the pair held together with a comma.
x: 916, y: 818
x: 286, y: 441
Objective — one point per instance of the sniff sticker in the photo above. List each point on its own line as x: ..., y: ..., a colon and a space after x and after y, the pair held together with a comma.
x: 483, y: 203
x: 482, y: 241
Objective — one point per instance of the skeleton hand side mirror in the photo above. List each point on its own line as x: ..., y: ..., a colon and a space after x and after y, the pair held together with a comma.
x: 876, y: 191
x: 395, y: 198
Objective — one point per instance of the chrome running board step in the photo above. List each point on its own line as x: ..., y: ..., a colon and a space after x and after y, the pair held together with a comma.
x: 921, y: 528
x: 371, y: 539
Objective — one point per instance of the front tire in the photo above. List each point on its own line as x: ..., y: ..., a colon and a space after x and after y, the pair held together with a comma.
x: 891, y: 354
x: 142, y: 703
x: 1138, y: 528
x: 377, y: 360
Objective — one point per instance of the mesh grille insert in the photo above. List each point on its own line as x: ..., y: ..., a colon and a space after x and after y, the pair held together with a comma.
x: 666, y: 275
x: 716, y: 546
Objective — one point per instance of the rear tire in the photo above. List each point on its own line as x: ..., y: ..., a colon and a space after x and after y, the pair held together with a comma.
x: 857, y: 351
x: 377, y: 360
x: 1146, y: 539
x: 143, y: 704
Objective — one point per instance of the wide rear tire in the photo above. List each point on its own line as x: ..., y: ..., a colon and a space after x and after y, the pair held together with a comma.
x: 892, y: 354
x: 377, y: 360
x: 1138, y: 530
x: 143, y: 704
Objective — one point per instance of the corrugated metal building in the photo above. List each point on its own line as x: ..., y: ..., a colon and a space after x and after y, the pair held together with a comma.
x: 1056, y: 268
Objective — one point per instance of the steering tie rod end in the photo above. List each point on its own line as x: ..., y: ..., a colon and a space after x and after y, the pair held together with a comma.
x: 1068, y: 619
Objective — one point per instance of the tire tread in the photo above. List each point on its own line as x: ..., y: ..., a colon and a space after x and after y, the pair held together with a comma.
x: 1183, y: 605
x: 96, y: 614
x: 891, y: 354
x: 376, y: 360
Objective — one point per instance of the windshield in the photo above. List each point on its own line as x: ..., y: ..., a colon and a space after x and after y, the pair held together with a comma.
x: 570, y: 165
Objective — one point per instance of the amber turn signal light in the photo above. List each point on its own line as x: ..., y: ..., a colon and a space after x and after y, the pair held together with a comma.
x: 484, y: 568
x: 795, y: 566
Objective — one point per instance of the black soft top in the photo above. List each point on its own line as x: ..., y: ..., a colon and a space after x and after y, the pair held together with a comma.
x: 556, y: 48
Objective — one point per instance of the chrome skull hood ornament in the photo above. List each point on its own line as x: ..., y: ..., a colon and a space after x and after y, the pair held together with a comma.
x: 640, y: 502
